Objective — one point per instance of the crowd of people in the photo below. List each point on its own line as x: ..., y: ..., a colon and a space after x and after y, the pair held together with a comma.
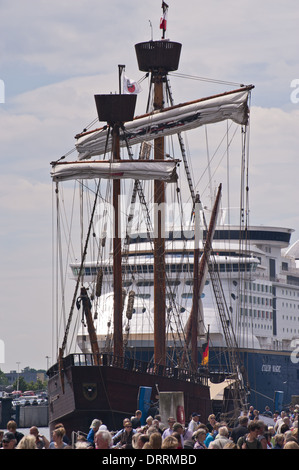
x: 250, y: 432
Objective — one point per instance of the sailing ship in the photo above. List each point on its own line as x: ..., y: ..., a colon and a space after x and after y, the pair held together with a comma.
x: 151, y: 296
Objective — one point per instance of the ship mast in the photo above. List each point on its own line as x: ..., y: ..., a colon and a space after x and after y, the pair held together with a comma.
x: 158, y: 58
x: 116, y: 109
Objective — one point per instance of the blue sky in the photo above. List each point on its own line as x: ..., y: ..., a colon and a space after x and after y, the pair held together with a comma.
x: 54, y: 56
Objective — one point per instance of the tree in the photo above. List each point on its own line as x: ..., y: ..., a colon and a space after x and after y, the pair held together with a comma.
x: 3, y: 378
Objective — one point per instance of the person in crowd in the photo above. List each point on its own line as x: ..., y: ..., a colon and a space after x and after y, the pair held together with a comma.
x: 117, y: 435
x: 40, y: 440
x: 103, y: 439
x: 58, y: 442
x: 136, y: 420
x: 199, y: 436
x: 142, y: 439
x: 168, y: 431
x: 65, y: 437
x: 12, y: 427
x: 279, y: 441
x: 125, y: 439
x: 9, y: 441
x: 221, y: 439
x: 250, y: 413
x: 267, y: 412
x: 27, y: 442
x: 291, y: 445
x: 135, y: 439
x: 155, y: 440
x: 170, y: 442
x: 211, y: 423
x: 240, y: 430
x: 250, y: 440
x: 261, y: 434
x: 94, y: 427
x: 193, y: 424
x: 179, y: 429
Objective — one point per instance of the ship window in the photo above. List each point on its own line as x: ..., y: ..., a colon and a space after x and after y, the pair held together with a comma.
x: 145, y: 283
x: 174, y: 283
x: 187, y: 295
x: 189, y: 282
x: 143, y: 296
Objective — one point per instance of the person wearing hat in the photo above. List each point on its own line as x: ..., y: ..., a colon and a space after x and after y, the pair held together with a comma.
x: 9, y: 441
x: 94, y: 427
x: 193, y: 424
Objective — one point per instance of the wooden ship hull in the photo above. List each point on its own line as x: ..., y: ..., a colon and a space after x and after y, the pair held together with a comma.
x: 109, y: 391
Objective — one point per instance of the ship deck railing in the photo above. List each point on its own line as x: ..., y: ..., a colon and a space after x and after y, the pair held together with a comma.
x: 109, y: 360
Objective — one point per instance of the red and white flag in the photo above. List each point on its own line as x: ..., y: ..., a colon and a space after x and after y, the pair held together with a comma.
x: 131, y: 87
x: 163, y: 21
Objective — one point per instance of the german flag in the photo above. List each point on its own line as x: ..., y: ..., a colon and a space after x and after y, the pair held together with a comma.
x: 205, y: 352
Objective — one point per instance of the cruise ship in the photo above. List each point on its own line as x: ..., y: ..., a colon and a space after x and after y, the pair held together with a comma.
x: 259, y: 275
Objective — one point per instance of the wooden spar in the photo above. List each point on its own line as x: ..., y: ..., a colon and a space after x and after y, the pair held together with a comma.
x: 159, y: 242
x: 177, y: 106
x: 117, y: 261
x: 90, y: 326
x: 198, y: 284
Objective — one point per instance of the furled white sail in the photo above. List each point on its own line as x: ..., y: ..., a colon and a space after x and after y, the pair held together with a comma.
x: 232, y: 105
x: 163, y: 170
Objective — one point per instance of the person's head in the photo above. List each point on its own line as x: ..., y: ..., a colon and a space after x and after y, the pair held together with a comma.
x: 142, y: 439
x: 170, y: 442
x: 171, y: 422
x: 195, y: 417
x: 200, y: 435
x: 155, y: 440
x: 103, y: 439
x: 138, y: 414
x: 27, y: 442
x: 149, y: 420
x: 223, y: 431
x: 253, y: 427
x: 34, y: 431
x: 58, y: 434
x: 243, y: 421
x: 96, y: 423
x: 9, y: 441
x: 291, y: 445
x: 178, y: 427
x: 128, y: 427
x: 212, y: 419
x: 11, y: 426
x: 279, y: 439
x: 135, y: 439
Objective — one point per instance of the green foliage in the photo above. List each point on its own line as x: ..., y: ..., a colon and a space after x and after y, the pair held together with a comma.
x: 3, y: 378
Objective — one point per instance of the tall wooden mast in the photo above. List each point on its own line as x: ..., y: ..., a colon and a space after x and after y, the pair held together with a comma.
x: 116, y: 109
x: 159, y: 58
